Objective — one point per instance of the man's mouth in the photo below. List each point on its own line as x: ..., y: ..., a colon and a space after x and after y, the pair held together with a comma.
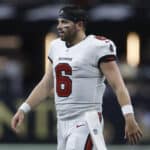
x: 61, y: 33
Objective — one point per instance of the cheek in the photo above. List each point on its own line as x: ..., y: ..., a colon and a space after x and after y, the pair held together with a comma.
x: 73, y: 29
x: 66, y: 26
x: 69, y: 30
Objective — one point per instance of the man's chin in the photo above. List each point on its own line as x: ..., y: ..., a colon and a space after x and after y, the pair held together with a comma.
x: 62, y: 38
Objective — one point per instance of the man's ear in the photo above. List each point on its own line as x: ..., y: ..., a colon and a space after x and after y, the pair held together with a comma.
x: 79, y: 24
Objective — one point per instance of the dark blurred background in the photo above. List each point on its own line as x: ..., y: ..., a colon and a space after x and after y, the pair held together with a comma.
x: 26, y: 29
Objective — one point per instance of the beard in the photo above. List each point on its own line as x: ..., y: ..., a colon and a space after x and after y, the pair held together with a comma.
x: 69, y: 37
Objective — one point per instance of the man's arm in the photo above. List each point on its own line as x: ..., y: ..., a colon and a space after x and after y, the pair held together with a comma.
x: 38, y: 94
x: 112, y: 73
x: 42, y: 90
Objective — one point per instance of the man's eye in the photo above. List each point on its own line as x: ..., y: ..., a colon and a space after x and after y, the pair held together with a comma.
x: 65, y: 22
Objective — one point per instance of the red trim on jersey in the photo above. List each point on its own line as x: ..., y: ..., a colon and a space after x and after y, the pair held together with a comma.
x: 100, y: 37
x: 89, y: 144
x: 106, y: 59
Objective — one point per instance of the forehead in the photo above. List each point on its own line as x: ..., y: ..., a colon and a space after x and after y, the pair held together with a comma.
x: 64, y: 20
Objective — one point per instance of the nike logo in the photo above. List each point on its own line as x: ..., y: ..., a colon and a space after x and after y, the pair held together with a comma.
x: 77, y: 126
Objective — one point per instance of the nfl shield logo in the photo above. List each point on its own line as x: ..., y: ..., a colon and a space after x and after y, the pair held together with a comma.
x: 95, y: 131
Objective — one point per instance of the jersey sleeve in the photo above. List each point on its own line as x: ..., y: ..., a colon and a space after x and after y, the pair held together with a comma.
x: 105, y: 52
x: 50, y: 52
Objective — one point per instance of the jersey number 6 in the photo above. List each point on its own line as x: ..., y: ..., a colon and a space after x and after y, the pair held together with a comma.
x: 63, y: 82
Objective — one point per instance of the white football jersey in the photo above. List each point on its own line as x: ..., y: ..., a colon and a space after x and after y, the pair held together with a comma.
x: 78, y: 81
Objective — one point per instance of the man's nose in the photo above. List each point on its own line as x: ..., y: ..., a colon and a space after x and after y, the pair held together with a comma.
x: 59, y: 26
